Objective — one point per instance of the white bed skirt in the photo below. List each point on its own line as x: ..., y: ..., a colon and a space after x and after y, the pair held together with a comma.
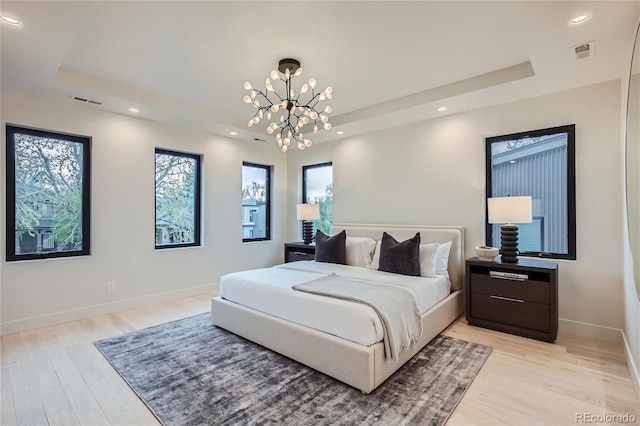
x: 363, y: 367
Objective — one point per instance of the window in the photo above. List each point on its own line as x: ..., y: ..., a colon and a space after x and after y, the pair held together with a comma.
x: 317, y: 188
x: 48, y: 194
x: 541, y: 164
x: 177, y: 199
x: 256, y: 202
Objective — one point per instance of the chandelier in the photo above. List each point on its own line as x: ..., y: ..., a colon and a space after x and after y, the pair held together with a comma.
x: 297, y: 110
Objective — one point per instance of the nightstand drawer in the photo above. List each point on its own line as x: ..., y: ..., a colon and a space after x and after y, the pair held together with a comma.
x: 294, y: 256
x: 530, y: 315
x: 528, y: 290
x: 294, y: 252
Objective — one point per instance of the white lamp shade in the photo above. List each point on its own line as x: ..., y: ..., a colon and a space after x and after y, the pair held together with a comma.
x: 308, y: 211
x: 510, y: 209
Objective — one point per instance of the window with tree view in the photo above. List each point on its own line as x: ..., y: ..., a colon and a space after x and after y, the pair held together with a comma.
x: 317, y: 188
x: 177, y: 199
x: 48, y: 194
x: 540, y: 164
x: 256, y: 202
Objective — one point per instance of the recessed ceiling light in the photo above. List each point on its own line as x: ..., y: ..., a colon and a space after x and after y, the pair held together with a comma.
x: 580, y: 18
x: 10, y: 20
x: 340, y: 132
x: 134, y: 110
x: 442, y: 109
x: 233, y: 133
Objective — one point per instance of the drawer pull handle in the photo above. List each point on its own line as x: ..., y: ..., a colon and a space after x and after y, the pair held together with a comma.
x: 508, y: 299
x: 511, y: 276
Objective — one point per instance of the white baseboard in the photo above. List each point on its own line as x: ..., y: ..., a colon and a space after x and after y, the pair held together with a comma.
x: 590, y: 330
x: 633, y: 368
x: 31, y: 323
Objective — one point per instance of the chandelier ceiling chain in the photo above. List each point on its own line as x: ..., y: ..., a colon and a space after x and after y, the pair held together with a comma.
x: 295, y: 111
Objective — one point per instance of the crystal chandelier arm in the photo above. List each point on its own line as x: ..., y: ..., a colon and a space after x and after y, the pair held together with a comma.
x: 279, y: 97
x: 266, y: 97
x: 300, y: 94
x: 316, y: 98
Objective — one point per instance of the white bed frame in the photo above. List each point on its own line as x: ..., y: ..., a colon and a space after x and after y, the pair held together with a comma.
x: 363, y: 367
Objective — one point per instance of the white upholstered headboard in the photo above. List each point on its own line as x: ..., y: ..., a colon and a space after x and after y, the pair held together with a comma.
x: 428, y: 234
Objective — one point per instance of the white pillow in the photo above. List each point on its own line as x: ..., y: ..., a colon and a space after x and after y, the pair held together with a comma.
x: 428, y: 260
x: 442, y: 259
x: 375, y: 264
x: 359, y: 251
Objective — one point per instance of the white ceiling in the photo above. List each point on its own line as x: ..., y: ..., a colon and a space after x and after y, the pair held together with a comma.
x: 389, y: 63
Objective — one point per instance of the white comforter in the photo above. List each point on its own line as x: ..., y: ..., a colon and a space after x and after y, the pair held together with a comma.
x: 269, y: 290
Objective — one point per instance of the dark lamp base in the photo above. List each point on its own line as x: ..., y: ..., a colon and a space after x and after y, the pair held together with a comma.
x: 307, y: 232
x: 509, y: 243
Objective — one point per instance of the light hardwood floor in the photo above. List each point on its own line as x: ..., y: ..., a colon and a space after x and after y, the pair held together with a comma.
x: 55, y: 375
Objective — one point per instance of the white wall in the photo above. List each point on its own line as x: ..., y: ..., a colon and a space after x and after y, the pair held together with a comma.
x: 433, y: 173
x: 631, y: 297
x: 37, y: 293
x: 631, y: 325
x: 427, y: 173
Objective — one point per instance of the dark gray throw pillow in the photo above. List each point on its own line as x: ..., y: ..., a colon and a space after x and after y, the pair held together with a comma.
x: 400, y: 258
x: 331, y: 249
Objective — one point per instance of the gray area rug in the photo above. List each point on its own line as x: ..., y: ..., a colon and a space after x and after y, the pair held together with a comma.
x: 189, y: 372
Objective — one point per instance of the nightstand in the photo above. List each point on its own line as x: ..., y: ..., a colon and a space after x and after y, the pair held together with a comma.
x: 299, y: 251
x: 518, y: 298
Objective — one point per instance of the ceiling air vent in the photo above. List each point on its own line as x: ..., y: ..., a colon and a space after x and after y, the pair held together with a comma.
x: 584, y: 50
x: 89, y: 101
x: 259, y: 140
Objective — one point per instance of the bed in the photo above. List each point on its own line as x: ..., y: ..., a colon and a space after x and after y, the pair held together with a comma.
x: 339, y: 338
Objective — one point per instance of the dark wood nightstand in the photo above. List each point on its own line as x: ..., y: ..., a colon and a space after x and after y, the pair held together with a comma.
x: 299, y: 251
x: 519, y: 298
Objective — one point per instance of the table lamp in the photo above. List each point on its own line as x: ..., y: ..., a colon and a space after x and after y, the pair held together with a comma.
x: 508, y: 211
x: 307, y: 213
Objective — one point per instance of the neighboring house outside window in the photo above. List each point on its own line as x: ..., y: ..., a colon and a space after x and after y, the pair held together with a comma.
x: 178, y: 199
x: 317, y: 188
x: 540, y: 164
x: 48, y: 194
x: 256, y: 202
